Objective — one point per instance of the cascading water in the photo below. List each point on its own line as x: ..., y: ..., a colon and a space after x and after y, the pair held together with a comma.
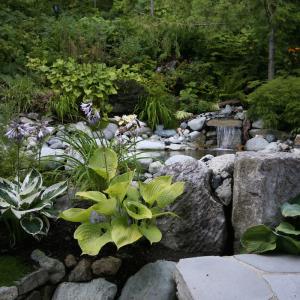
x: 228, y: 137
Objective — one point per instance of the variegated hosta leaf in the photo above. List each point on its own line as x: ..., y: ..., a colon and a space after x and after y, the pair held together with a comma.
x: 92, y: 195
x: 123, y: 234
x: 119, y: 185
x: 92, y: 237
x: 9, y: 197
x: 7, y: 185
x: 137, y: 210
x: 151, y: 232
x: 30, y: 199
x: 169, y: 194
x: 104, y: 162
x: 106, y: 207
x: 32, y: 183
x: 54, y: 191
x: 21, y: 213
x: 152, y: 190
x: 32, y: 225
x: 76, y: 214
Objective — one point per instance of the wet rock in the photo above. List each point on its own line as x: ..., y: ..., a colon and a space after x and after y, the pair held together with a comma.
x: 179, y: 159
x: 150, y: 145
x: 82, y: 272
x: 106, y: 266
x: 197, y: 124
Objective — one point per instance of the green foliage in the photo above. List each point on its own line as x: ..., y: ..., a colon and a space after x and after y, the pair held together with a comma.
x: 12, y: 269
x: 277, y: 102
x: 284, y: 238
x: 127, y: 213
x: 28, y: 205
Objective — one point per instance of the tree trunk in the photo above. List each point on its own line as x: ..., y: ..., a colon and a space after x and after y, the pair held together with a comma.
x: 271, y: 63
x: 152, y: 8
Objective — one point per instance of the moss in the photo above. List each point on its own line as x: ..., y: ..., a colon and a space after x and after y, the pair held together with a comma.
x: 12, y: 269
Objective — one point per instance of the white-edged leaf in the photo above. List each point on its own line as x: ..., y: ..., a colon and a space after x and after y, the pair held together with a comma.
x: 20, y: 213
x: 32, y: 182
x: 54, y: 191
x: 32, y: 225
x: 9, y: 197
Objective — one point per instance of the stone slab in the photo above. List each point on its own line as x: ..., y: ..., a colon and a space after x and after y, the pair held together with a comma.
x: 224, y: 123
x: 272, y: 263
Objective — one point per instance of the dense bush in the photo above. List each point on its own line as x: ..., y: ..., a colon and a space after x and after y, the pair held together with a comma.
x: 277, y: 102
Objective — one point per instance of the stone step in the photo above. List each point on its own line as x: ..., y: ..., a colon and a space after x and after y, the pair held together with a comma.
x: 239, y: 277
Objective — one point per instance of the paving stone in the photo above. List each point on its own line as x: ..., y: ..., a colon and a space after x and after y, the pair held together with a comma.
x: 272, y: 263
x: 219, y: 278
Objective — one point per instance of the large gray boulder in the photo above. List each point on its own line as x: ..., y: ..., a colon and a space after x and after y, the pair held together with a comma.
x: 197, y: 124
x: 256, y: 144
x: 262, y: 183
x: 201, y: 227
x: 97, y: 289
x: 153, y: 282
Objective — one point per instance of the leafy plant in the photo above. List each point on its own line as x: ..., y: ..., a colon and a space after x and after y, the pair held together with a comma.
x: 182, y: 115
x: 125, y: 213
x: 28, y: 205
x: 285, y: 237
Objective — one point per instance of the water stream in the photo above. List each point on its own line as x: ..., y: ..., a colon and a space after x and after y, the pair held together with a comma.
x: 228, y: 137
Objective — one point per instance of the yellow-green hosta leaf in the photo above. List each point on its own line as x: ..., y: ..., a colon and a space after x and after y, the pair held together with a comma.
x: 133, y: 194
x: 151, y: 232
x: 152, y: 190
x: 137, y: 210
x: 92, y: 195
x: 106, y: 207
x: 76, y: 214
x: 169, y: 194
x: 92, y: 237
x: 123, y: 234
x: 104, y: 162
x: 119, y: 185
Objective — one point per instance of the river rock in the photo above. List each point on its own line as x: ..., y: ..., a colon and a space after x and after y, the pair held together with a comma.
x: 54, y: 267
x: 70, y: 261
x: 256, y: 144
x: 297, y: 141
x: 179, y: 159
x: 150, y: 145
x: 166, y: 133
x: 155, y: 167
x: 153, y: 282
x: 271, y: 148
x: 8, y: 292
x: 201, y: 227
x: 82, y: 272
x: 81, y: 126
x: 97, y: 289
x: 197, y: 124
x: 106, y: 266
x: 262, y: 183
x: 32, y: 280
x: 110, y: 130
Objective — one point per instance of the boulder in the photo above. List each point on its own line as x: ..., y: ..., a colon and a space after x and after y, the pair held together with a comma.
x: 179, y: 159
x: 97, y: 289
x: 32, y: 280
x: 262, y: 183
x: 150, y: 145
x: 224, y: 191
x: 106, y: 266
x: 201, y: 227
x: 82, y: 272
x: 197, y: 124
x: 153, y: 282
x: 8, y: 292
x: 222, y: 163
x: 272, y: 147
x: 54, y: 267
x: 256, y: 144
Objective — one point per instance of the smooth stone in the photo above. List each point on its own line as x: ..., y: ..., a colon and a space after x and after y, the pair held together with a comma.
x: 166, y: 133
x: 97, y: 289
x: 47, y: 151
x: 106, y: 266
x: 154, y: 167
x: 32, y: 280
x: 259, y: 124
x: 110, y: 130
x: 176, y: 139
x: 197, y: 124
x: 194, y: 135
x: 271, y: 148
x: 8, y: 292
x: 176, y: 147
x: 82, y: 272
x: 54, y: 267
x: 153, y: 282
x: 256, y: 144
x: 150, y: 145
x: 183, y: 125
x: 179, y: 159
x: 227, y: 110
x: 224, y: 123
x: 81, y: 126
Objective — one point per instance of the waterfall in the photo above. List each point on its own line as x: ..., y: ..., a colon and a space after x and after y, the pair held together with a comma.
x: 228, y: 137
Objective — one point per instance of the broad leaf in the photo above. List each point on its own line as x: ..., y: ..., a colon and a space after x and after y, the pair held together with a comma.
x: 54, y: 191
x: 137, y: 210
x: 151, y: 232
x: 32, y: 225
x: 288, y: 244
x: 9, y: 197
x: 152, y: 190
x: 32, y: 183
x: 123, y: 234
x: 119, y: 185
x: 259, y: 239
x: 290, y: 210
x: 169, y: 194
x: 106, y: 207
x: 76, y: 214
x: 92, y: 237
x: 37, y: 208
x: 287, y: 228
x: 92, y: 195
x: 104, y: 162
x: 133, y: 194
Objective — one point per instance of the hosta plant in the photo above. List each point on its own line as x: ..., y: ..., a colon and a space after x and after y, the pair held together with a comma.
x: 28, y: 204
x: 284, y: 238
x: 122, y: 213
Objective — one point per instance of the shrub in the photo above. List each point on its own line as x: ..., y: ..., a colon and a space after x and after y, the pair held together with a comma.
x: 277, y: 103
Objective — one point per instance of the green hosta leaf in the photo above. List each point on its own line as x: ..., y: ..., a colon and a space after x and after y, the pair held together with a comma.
x: 137, y: 210
x: 133, y: 194
x: 32, y: 225
x: 259, y: 239
x: 151, y: 232
x: 92, y: 237
x: 119, y: 185
x: 106, y: 207
x: 92, y: 195
x: 54, y: 191
x: 288, y: 244
x: 32, y: 183
x: 152, y: 190
x: 290, y: 210
x: 76, y: 214
x: 123, y: 234
x: 287, y: 228
x: 169, y: 194
x: 104, y: 162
